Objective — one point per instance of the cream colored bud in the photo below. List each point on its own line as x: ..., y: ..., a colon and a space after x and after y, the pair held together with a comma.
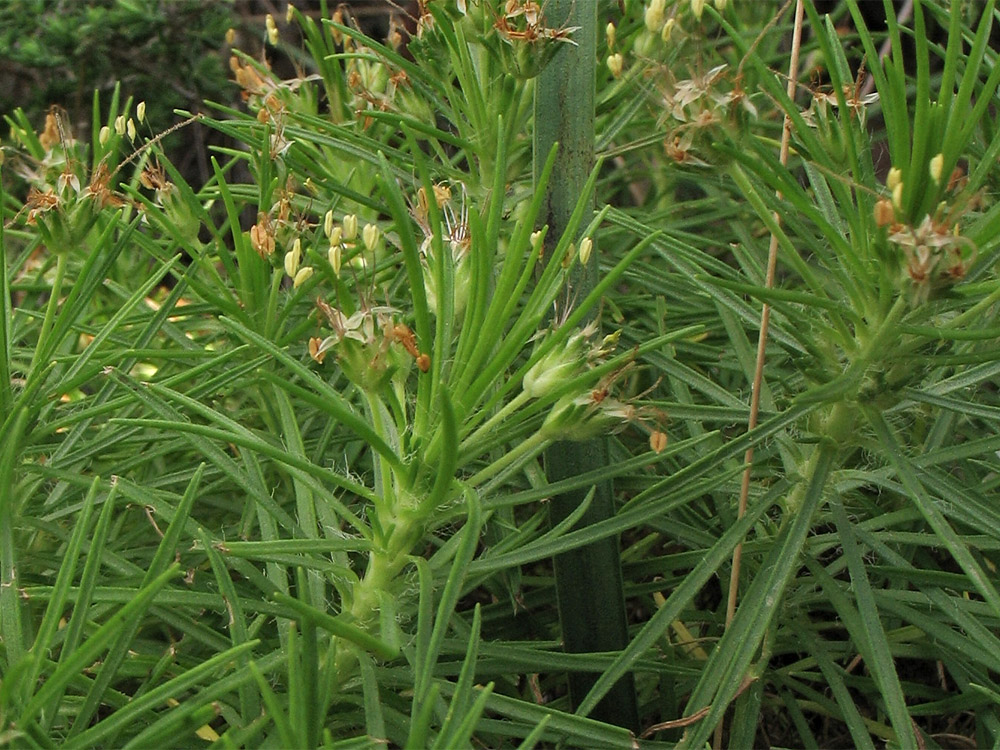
x: 290, y: 13
x: 140, y: 111
x: 897, y: 196
x: 104, y: 136
x: 272, y: 30
x: 720, y: 5
x: 230, y: 36
x: 130, y: 129
x: 586, y: 248
x: 370, y: 236
x: 336, y: 235
x: 615, y: 64
x: 668, y: 29
x: 609, y: 33
x: 302, y: 276
x: 936, y: 165
x: 654, y: 15
x: 120, y: 124
x: 328, y: 223
x: 293, y: 257
x: 350, y: 227
x: 894, y: 177
x: 334, y: 256
x: 697, y: 8
x: 536, y: 237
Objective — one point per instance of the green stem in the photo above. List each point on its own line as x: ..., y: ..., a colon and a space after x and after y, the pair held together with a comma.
x: 518, y: 453
x: 588, y: 580
x: 42, y: 347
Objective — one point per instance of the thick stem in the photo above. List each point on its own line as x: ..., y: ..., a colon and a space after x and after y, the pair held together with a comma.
x: 588, y: 580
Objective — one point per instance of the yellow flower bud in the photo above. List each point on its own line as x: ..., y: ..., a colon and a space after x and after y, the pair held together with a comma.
x: 120, y: 124
x: 230, y: 36
x: 668, y: 29
x: 350, y: 227
x: 697, y: 8
x: 130, y: 129
x: 272, y: 30
x: 302, y: 276
x: 290, y: 13
x: 370, y: 236
x: 615, y: 64
x: 897, y: 196
x: 336, y: 235
x: 334, y: 256
x: 654, y: 15
x: 609, y: 33
x: 936, y: 165
x: 894, y: 177
x: 720, y: 5
x: 328, y: 223
x: 586, y: 247
x: 140, y: 111
x: 104, y: 136
x: 293, y: 257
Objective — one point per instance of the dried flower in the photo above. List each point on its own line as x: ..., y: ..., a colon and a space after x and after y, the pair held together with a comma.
x: 884, y: 212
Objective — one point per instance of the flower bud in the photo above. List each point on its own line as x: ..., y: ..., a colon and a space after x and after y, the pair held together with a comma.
x: 230, y: 36
x: 897, y: 196
x: 334, y: 256
x: 120, y: 124
x: 654, y: 15
x: 293, y: 257
x: 130, y: 129
x: 720, y: 5
x: 697, y: 8
x: 894, y: 177
x: 272, y: 30
x: 140, y: 111
x: 290, y: 13
x: 609, y: 33
x: 586, y: 247
x: 328, y: 223
x: 350, y: 227
x: 370, y: 235
x: 302, y: 276
x: 104, y: 136
x: 936, y: 165
x: 668, y: 29
x: 615, y: 64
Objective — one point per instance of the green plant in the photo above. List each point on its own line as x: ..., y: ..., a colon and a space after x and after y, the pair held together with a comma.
x: 271, y: 467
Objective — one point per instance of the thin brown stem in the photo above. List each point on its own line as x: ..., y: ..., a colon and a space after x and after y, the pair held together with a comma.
x: 765, y: 316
